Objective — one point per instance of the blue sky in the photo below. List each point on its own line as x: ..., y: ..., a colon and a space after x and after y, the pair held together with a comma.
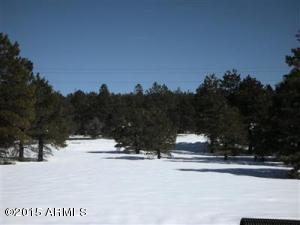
x: 80, y: 44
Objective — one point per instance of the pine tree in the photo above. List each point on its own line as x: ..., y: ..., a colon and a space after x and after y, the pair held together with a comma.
x: 93, y: 127
x: 286, y: 115
x: 209, y: 103
x: 159, y: 96
x: 104, y: 109
x: 16, y: 96
x: 232, y: 132
x: 51, y: 123
x: 287, y: 120
x: 253, y: 101
x: 138, y: 90
x: 218, y: 120
x: 130, y: 130
x: 138, y: 95
x: 262, y: 132
x: 159, y: 134
x: 294, y: 60
x: 230, y: 86
x: 79, y: 103
x: 184, y: 113
x: 146, y: 129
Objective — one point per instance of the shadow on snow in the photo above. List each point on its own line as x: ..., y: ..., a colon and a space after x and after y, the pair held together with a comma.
x: 238, y: 160
x: 105, y: 152
x: 191, y: 148
x: 127, y: 158
x: 255, y: 172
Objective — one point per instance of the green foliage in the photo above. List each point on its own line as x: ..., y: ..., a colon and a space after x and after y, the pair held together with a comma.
x: 129, y: 133
x: 232, y: 132
x: 230, y: 85
x: 218, y: 120
x: 51, y: 123
x: 286, y: 119
x: 16, y: 95
x: 146, y: 129
x: 104, y: 110
x: 253, y: 100
x: 294, y: 60
x: 159, y: 133
x: 231, y: 111
x: 184, y: 113
x: 209, y: 103
x: 79, y: 103
x: 93, y: 127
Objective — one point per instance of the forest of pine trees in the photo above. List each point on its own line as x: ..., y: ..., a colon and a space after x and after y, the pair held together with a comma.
x: 238, y: 115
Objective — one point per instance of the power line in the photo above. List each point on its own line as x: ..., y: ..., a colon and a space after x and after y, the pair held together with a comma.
x: 181, y: 69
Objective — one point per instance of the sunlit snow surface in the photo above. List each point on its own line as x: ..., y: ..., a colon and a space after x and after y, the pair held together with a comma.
x: 192, y: 187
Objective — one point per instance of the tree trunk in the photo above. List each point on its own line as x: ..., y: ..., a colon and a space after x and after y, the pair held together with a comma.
x: 158, y: 154
x: 21, y: 151
x: 250, y: 146
x: 225, y: 156
x: 212, y: 145
x: 41, y: 150
x: 137, y: 151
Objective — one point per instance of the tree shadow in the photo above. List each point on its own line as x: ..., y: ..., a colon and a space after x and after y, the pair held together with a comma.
x: 26, y: 159
x: 255, y: 172
x: 127, y: 158
x: 11, y: 156
x: 80, y: 138
x: 237, y: 160
x: 191, y: 148
x: 105, y: 152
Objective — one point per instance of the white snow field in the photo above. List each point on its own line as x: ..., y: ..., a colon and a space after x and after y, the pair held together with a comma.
x: 116, y: 188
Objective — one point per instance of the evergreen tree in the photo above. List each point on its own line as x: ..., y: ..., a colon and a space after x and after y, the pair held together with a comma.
x: 230, y: 86
x: 159, y: 96
x: 51, y: 123
x: 218, y: 120
x: 262, y: 133
x: 146, y: 129
x: 93, y: 127
x: 159, y: 133
x: 287, y: 120
x: 138, y: 90
x: 130, y: 131
x: 184, y: 117
x: 104, y: 109
x: 16, y: 96
x: 209, y: 103
x: 138, y: 95
x: 232, y: 133
x: 80, y: 111
x: 157, y: 89
x: 253, y: 101
x: 286, y: 115
x: 294, y: 60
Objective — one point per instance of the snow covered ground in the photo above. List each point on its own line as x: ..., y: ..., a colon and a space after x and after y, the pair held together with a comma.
x: 114, y: 188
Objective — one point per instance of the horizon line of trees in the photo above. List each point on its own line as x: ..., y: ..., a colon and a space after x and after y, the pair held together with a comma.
x: 239, y: 116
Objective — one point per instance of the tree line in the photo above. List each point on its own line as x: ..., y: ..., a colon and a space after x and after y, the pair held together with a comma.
x: 238, y: 115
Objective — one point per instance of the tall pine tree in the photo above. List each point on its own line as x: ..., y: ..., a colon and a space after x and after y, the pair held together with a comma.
x: 16, y: 96
x: 51, y: 122
x: 286, y: 114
